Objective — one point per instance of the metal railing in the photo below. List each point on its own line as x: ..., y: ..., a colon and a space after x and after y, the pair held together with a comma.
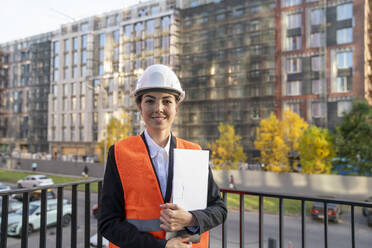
x: 281, y: 197
x: 43, y: 215
x: 87, y: 200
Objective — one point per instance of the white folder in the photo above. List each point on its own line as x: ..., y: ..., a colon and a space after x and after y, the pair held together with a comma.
x: 190, y: 178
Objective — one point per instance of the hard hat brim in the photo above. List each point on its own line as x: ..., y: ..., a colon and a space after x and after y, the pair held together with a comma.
x: 172, y: 91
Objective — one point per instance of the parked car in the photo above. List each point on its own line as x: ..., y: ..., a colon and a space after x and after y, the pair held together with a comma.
x: 34, y: 180
x: 36, y: 195
x: 365, y: 210
x: 4, y: 187
x: 93, y: 241
x: 15, y: 219
x: 13, y: 205
x: 334, y: 211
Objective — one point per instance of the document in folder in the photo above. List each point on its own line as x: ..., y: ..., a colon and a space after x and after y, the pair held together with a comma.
x: 190, y: 178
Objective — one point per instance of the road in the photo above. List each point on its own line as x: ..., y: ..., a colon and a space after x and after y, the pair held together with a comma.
x: 339, y: 235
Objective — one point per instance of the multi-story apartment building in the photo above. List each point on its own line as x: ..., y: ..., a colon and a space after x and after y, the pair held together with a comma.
x: 95, y: 64
x: 24, y: 84
x: 227, y: 68
x: 324, y: 57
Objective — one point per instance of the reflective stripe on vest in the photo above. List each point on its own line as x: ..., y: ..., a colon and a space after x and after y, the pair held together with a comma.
x: 152, y: 225
x: 142, y: 195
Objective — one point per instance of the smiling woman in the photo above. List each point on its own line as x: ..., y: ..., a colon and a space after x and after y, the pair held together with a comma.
x: 138, y: 179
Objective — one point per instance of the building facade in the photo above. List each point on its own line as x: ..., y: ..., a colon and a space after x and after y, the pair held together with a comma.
x: 227, y: 68
x: 324, y: 58
x: 24, y: 84
x: 95, y: 64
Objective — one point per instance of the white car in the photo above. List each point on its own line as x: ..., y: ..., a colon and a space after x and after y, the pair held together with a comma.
x: 15, y: 219
x: 34, y: 180
x: 4, y: 187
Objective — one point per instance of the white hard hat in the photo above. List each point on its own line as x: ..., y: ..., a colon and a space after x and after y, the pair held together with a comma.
x: 159, y: 77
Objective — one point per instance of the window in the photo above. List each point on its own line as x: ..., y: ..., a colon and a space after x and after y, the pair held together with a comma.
x: 317, y: 63
x: 344, y: 35
x: 318, y: 109
x: 344, y: 60
x: 165, y: 42
x: 293, y: 107
x: 317, y: 86
x: 56, y: 62
x: 101, y: 40
x: 294, y: 43
x: 294, y: 21
x: 165, y: 23
x: 317, y: 40
x: 66, y: 45
x: 155, y: 10
x: 293, y: 65
x: 138, y: 27
x: 84, y: 57
x: 150, y: 27
x: 84, y: 41
x: 343, y: 107
x: 293, y: 88
x: 344, y: 11
x: 150, y: 44
x: 74, y: 58
x: 128, y: 29
x: 128, y: 48
x: 343, y: 85
x: 116, y: 36
x: 317, y: 16
x: 66, y: 59
x: 56, y: 47
x: 288, y: 3
x: 74, y: 43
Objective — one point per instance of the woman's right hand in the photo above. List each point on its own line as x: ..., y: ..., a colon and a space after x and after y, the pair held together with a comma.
x: 179, y: 242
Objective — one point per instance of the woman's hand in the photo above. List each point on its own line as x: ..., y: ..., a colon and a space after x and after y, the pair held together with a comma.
x: 178, y: 242
x: 174, y: 218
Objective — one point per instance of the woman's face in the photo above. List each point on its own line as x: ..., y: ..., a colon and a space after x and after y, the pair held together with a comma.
x: 158, y: 110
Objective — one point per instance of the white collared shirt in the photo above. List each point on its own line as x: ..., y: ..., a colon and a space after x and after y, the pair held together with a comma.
x: 160, y: 159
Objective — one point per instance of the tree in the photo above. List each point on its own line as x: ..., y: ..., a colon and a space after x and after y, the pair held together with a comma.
x: 316, y: 151
x: 226, y: 151
x: 116, y: 129
x: 270, y: 142
x: 293, y: 129
x: 353, y: 137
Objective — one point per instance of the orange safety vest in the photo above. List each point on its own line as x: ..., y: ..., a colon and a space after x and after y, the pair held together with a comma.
x: 142, y: 194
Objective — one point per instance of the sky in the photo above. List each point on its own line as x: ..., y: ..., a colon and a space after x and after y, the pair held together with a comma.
x: 23, y: 18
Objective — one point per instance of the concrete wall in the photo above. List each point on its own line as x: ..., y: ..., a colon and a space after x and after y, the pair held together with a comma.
x: 347, y: 187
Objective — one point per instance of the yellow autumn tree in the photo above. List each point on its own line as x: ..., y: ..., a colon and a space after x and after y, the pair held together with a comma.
x: 116, y: 129
x: 270, y: 142
x: 316, y: 151
x: 293, y: 127
x: 226, y: 151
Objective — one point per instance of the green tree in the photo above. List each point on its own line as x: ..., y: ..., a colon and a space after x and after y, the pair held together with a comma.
x: 316, y: 151
x: 353, y: 137
x: 116, y: 129
x: 226, y: 151
x: 270, y: 142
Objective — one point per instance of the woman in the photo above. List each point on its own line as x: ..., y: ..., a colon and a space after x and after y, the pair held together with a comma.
x: 136, y: 208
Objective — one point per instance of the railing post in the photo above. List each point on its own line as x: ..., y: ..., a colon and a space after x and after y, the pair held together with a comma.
x: 59, y: 217
x: 281, y: 220
x: 25, y: 228
x: 4, y: 221
x: 325, y: 214
x: 242, y: 220
x: 43, y: 218
x: 99, y: 236
x: 87, y: 216
x: 352, y: 227
x: 224, y: 231
x: 74, y: 217
x: 303, y: 223
x: 260, y: 221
